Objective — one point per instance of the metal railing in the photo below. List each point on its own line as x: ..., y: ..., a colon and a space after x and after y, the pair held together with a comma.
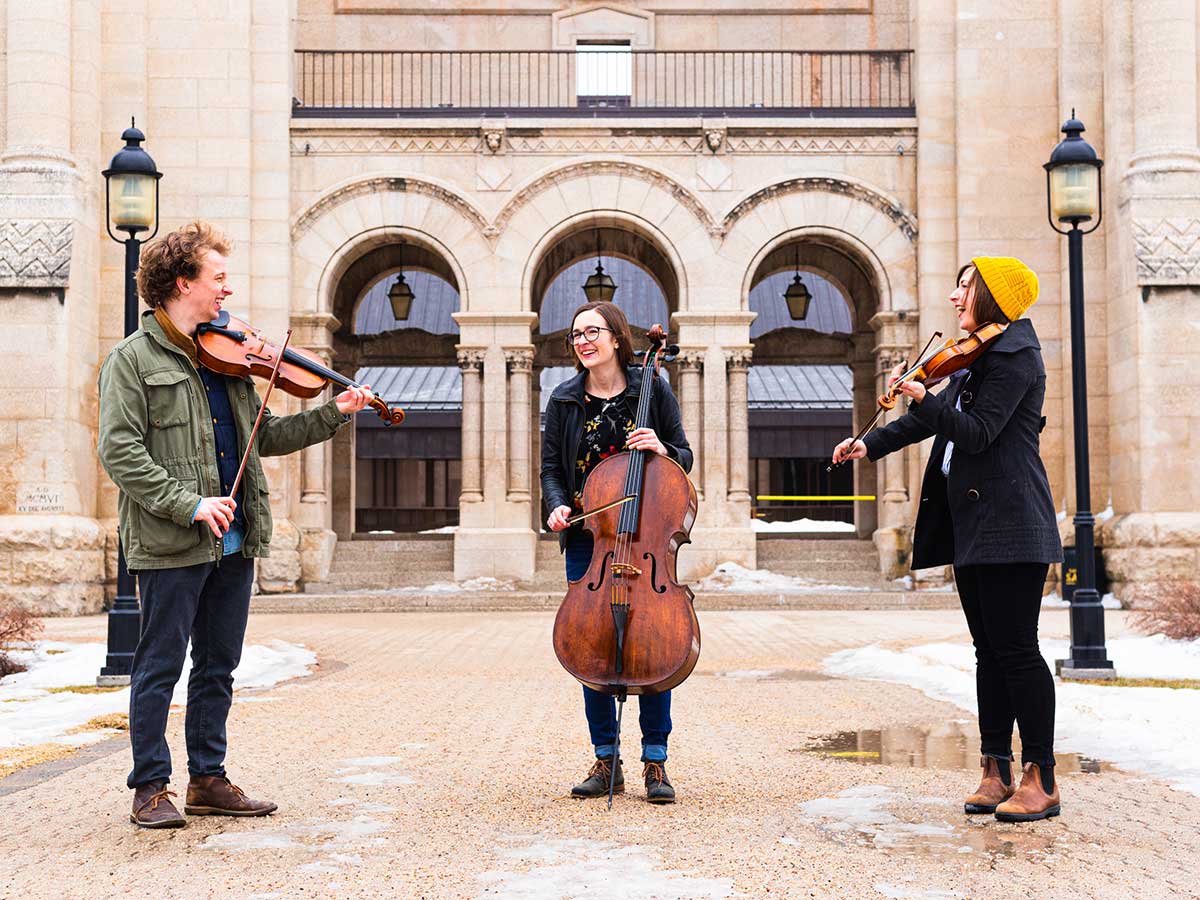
x: 597, y: 82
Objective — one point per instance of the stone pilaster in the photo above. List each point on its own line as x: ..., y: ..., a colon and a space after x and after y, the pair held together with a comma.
x: 519, y: 361
x: 691, y: 403
x: 898, y: 474
x: 470, y: 363
x: 495, y: 537
x: 716, y: 349
x: 738, y: 369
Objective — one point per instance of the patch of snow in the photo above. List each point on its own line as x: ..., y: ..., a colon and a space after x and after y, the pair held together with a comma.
x: 320, y: 836
x: 1054, y: 601
x: 373, y: 779
x: 596, y: 870
x: 731, y: 577
x: 747, y: 674
x: 482, y: 583
x: 363, y: 762
x: 1145, y: 730
x: 37, y: 716
x: 800, y: 526
x: 863, y: 810
x: 246, y: 841
x: 445, y: 529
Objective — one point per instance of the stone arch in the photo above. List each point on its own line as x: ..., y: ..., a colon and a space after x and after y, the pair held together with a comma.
x: 355, y: 217
x: 598, y: 169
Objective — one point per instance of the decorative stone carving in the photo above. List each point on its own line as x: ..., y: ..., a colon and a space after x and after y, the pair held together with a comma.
x: 903, y: 220
x: 355, y: 145
x: 606, y: 167
x: 470, y: 359
x: 519, y: 359
x: 380, y: 185
x: 1167, y: 251
x: 35, y: 253
x: 714, y: 138
x: 690, y: 360
x: 493, y: 139
x: 831, y: 144
x: 739, y: 358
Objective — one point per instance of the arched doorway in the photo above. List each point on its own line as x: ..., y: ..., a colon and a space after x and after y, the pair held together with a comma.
x: 647, y: 292
x: 807, y: 379
x: 404, y: 479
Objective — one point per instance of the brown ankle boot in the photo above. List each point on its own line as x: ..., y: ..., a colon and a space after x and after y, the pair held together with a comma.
x: 991, y: 791
x: 215, y: 795
x: 152, y: 807
x: 1030, y: 802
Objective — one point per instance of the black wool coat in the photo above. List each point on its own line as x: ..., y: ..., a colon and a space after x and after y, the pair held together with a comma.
x: 563, y: 431
x: 995, y: 506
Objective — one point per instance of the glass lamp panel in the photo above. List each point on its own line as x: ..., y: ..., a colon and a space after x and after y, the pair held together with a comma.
x: 132, y: 201
x: 1074, y: 191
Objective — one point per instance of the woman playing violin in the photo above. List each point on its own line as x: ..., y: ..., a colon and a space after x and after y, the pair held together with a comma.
x: 588, y: 419
x: 986, y: 508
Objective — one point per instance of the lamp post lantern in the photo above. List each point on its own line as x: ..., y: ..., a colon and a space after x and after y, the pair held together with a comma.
x: 400, y: 295
x: 131, y: 206
x: 1074, y: 197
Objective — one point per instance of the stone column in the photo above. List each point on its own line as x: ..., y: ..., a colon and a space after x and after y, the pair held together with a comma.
x: 738, y: 367
x: 691, y: 402
x: 1164, y: 83
x: 470, y: 363
x: 519, y: 362
x: 495, y: 536
x: 38, y: 44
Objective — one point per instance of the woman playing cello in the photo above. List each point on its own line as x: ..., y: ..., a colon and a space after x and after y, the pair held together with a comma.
x: 588, y: 419
x: 986, y: 508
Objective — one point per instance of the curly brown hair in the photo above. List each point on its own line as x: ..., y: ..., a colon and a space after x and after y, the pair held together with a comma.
x: 179, y: 254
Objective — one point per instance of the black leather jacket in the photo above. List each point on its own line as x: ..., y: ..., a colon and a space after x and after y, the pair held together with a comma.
x: 564, y: 430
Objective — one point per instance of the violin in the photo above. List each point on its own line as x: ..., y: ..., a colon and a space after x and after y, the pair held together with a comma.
x: 950, y: 357
x: 627, y: 626
x: 230, y: 346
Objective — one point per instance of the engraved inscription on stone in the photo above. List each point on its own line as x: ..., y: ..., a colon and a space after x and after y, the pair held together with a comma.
x: 39, y: 498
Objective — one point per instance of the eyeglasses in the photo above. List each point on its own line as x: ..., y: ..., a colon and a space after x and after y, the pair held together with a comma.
x: 590, y: 334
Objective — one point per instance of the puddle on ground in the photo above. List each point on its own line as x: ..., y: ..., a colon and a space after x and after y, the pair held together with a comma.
x: 926, y: 827
x: 953, y: 745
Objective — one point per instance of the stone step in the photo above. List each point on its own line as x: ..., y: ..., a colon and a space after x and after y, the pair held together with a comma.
x: 415, y: 601
x: 443, y: 546
x: 798, y: 550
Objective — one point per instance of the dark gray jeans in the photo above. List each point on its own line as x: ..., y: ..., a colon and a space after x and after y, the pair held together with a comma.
x: 208, y: 603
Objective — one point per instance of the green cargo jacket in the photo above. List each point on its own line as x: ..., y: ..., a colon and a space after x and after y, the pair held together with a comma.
x: 157, y: 445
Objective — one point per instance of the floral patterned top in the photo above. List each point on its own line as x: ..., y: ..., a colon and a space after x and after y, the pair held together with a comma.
x: 607, y: 424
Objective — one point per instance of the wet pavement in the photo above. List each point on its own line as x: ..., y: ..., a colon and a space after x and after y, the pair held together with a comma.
x: 432, y: 755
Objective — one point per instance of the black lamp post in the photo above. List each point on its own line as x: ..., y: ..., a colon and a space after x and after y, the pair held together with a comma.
x: 1073, y: 196
x: 599, y: 285
x: 131, y: 206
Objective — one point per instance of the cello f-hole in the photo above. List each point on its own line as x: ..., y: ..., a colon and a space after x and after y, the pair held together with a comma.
x: 654, y: 573
x: 603, y: 570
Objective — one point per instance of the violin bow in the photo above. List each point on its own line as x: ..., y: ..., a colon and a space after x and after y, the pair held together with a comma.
x: 598, y: 509
x: 880, y: 410
x: 263, y: 408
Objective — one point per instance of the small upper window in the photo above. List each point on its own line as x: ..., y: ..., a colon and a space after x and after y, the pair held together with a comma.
x: 603, y: 74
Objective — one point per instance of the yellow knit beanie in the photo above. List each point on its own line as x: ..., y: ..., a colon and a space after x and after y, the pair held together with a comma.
x: 1013, y: 284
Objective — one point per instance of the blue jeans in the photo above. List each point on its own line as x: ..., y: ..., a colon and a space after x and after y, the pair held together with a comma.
x: 208, y: 603
x: 654, y: 710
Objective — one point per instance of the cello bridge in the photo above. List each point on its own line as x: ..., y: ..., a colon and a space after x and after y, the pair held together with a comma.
x: 621, y: 569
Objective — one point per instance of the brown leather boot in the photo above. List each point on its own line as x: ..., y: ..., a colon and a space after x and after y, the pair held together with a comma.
x: 1030, y: 802
x: 152, y: 807
x: 215, y: 795
x: 992, y: 789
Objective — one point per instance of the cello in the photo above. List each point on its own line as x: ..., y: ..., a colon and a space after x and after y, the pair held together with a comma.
x: 627, y: 626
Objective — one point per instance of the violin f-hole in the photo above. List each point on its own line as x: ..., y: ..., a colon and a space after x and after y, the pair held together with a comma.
x: 595, y: 586
x: 654, y: 573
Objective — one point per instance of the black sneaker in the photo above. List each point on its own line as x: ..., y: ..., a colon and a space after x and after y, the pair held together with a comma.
x: 596, y: 783
x: 658, y: 786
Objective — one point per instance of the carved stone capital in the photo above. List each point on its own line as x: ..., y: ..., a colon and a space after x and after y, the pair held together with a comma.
x: 519, y: 359
x: 35, y: 253
x: 690, y: 360
x: 738, y: 358
x: 470, y: 359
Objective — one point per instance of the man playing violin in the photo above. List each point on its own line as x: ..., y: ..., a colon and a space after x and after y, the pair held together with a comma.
x: 171, y: 437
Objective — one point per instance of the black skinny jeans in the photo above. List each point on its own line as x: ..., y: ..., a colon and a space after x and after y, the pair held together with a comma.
x: 1012, y: 680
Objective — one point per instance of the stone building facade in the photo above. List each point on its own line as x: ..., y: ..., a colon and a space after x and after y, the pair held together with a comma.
x: 912, y: 138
